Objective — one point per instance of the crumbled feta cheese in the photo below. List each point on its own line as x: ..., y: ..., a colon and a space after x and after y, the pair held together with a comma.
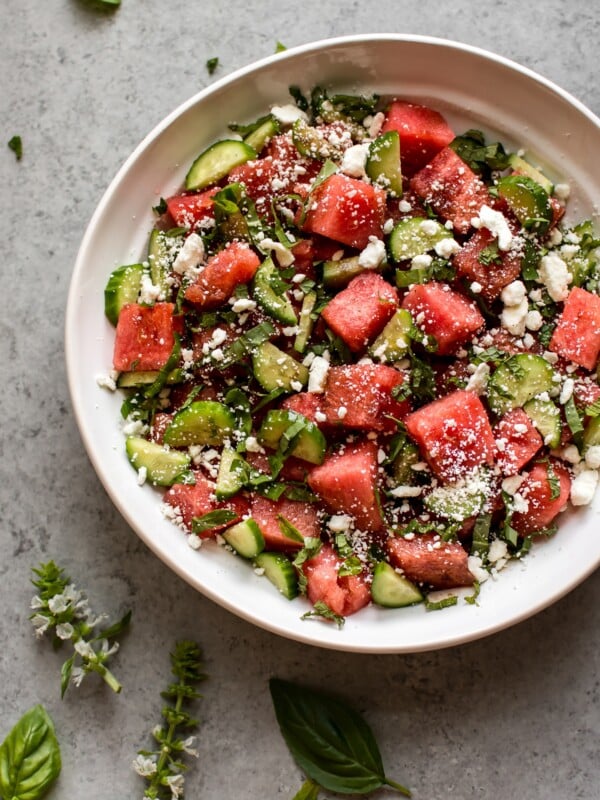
x: 406, y: 491
x: 342, y: 411
x: 142, y: 474
x: 320, y: 416
x: 555, y: 276
x: 317, y: 374
x: 108, y: 381
x: 583, y: 487
x: 284, y: 255
x: 476, y: 287
x: 534, y: 320
x: 592, y: 456
x: 404, y: 207
x: 514, y: 293
x: 373, y: 255
x: 446, y: 248
x: 253, y: 446
x: 422, y: 261
x: 388, y: 226
x: 513, y: 318
x: 242, y: 304
x: 478, y: 380
x: 149, y: 292
x: 194, y: 541
x: 570, y: 454
x: 567, y: 391
x: 562, y: 191
x: 429, y: 227
x: 496, y: 224
x: 339, y: 523
x: 511, y: 485
x: 475, y: 566
x: 190, y: 257
x: 288, y: 114
x: 374, y: 124
x: 354, y: 160
x: 498, y: 551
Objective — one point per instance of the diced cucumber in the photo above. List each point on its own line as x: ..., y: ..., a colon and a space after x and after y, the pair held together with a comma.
x: 546, y: 418
x: 310, y: 444
x: 246, y: 538
x: 310, y: 142
x: 518, y: 380
x: 415, y: 236
x: 305, y: 322
x: 230, y: 478
x: 280, y: 571
x: 202, y: 422
x: 123, y: 287
x: 454, y: 502
x: 135, y: 380
x: 383, y: 162
x: 162, y: 250
x: 525, y: 168
x: 591, y: 434
x: 217, y: 161
x: 392, y: 590
x: 276, y: 304
x: 337, y: 274
x: 263, y: 134
x: 393, y: 342
x: 163, y: 467
x: 528, y: 201
x: 274, y: 369
x: 402, y: 470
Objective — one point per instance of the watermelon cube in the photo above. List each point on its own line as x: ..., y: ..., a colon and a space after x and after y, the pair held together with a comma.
x: 361, y: 311
x: 426, y: 560
x: 347, y: 482
x: 189, y: 210
x: 545, y: 494
x: 234, y: 265
x: 359, y: 396
x: 423, y: 133
x: 451, y: 188
x: 347, y: 210
x: 303, y: 516
x: 454, y: 435
x: 446, y: 316
x: 517, y: 441
x: 577, y: 334
x: 309, y: 404
x: 344, y: 595
x: 492, y: 274
x: 145, y: 337
x: 194, y: 500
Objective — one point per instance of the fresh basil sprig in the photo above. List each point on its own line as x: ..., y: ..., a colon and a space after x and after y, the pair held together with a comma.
x: 331, y: 742
x: 62, y: 608
x: 29, y: 757
x: 163, y: 768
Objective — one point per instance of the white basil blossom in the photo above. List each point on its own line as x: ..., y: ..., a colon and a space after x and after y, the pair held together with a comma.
x: 77, y: 675
x: 58, y: 604
x: 188, y: 746
x: 144, y: 766
x: 175, y: 784
x: 85, y: 649
x: 65, y: 630
x: 41, y: 624
x: 36, y: 602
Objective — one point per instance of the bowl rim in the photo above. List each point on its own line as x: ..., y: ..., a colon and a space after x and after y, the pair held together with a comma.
x: 79, y: 266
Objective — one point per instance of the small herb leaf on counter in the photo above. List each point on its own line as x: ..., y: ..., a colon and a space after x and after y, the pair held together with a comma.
x: 29, y: 757
x: 330, y: 741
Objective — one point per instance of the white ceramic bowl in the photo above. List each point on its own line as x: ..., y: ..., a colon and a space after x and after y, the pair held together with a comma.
x: 474, y: 89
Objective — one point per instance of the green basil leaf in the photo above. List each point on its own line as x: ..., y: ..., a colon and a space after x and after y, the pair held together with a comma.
x: 114, y: 630
x: 221, y: 516
x: 212, y: 64
x: 16, y: 145
x: 29, y: 757
x: 330, y: 741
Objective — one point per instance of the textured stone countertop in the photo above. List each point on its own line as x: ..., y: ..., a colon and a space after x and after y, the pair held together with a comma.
x: 513, y: 715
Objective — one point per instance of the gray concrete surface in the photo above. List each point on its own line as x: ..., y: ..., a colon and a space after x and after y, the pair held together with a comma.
x: 514, y: 715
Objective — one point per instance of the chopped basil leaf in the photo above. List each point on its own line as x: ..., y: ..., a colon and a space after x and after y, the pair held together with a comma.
x: 490, y: 255
x: 289, y: 530
x: 553, y: 482
x: 212, y: 64
x: 593, y: 410
x: 16, y: 145
x: 437, y: 605
x: 322, y: 610
x: 213, y: 519
x: 482, y: 158
x: 301, y: 101
x: 161, y: 207
x: 280, y: 48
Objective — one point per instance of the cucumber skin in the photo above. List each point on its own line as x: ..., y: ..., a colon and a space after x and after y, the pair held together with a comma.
x: 245, y: 538
x: 311, y: 444
x: 144, y: 453
x: 199, y: 178
x: 389, y: 589
x: 123, y: 287
x: 272, y: 375
x: 540, y: 382
x: 280, y: 571
x: 215, y: 420
x: 277, y: 306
